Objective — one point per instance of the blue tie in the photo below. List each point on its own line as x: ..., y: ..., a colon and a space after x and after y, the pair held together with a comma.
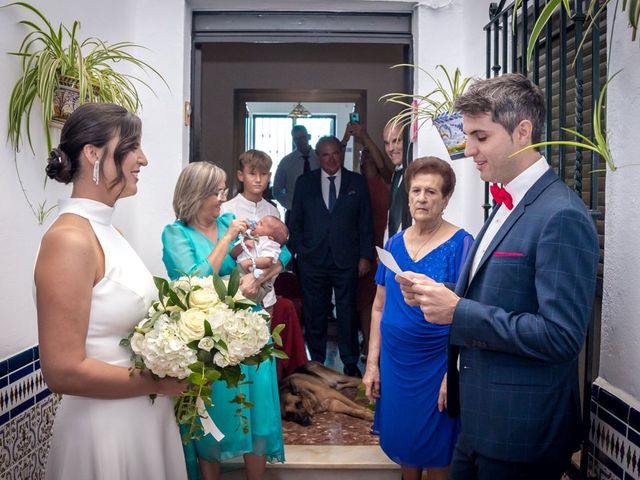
x: 332, y: 193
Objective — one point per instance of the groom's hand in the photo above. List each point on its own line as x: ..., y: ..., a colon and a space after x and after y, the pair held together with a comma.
x: 435, y: 300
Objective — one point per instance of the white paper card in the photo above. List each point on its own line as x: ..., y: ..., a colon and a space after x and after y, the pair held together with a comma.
x: 388, y: 261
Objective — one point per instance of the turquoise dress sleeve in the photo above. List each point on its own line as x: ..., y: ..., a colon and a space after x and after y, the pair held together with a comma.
x: 285, y: 256
x: 185, y: 250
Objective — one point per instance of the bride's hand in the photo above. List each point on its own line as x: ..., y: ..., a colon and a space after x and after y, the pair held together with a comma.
x: 249, y: 286
x: 171, y: 387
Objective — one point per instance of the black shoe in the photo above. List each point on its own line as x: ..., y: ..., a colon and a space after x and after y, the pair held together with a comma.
x: 352, y: 371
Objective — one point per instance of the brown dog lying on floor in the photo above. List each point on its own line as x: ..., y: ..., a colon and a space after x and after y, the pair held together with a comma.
x: 314, y: 389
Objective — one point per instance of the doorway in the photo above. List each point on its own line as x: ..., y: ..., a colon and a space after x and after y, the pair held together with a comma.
x: 291, y: 57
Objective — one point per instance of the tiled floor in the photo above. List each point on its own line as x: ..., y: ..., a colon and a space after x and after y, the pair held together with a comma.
x: 332, y: 428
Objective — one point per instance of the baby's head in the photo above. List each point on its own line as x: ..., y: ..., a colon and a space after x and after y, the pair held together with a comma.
x: 270, y: 226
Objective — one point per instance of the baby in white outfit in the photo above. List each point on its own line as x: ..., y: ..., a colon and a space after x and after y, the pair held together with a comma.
x: 269, y: 234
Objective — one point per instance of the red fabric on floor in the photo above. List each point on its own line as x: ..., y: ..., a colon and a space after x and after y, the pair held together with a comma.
x: 284, y: 311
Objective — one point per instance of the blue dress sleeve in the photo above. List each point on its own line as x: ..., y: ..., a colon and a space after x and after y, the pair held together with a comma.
x: 179, y: 253
x: 463, y: 252
x: 381, y: 272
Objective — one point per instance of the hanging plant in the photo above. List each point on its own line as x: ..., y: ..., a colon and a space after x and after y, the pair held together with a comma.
x: 437, y: 106
x: 57, y: 58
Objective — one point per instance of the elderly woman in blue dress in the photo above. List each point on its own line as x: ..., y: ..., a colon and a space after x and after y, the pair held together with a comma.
x: 407, y: 362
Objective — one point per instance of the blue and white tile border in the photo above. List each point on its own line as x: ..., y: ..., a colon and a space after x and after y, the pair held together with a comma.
x: 614, y: 434
x: 27, y: 409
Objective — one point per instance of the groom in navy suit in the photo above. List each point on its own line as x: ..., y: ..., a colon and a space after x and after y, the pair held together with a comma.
x: 522, y: 304
x: 331, y: 233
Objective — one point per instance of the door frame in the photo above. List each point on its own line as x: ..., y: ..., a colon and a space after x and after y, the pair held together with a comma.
x: 242, y: 95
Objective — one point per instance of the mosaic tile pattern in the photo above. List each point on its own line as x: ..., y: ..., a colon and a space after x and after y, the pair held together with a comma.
x: 614, y: 450
x: 27, y: 409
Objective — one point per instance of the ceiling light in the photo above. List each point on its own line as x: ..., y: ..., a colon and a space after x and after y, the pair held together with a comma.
x: 299, y: 111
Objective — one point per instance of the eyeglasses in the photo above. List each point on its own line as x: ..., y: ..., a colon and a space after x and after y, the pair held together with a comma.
x: 222, y: 194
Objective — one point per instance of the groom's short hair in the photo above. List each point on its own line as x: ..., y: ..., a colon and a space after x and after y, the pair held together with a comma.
x: 509, y: 99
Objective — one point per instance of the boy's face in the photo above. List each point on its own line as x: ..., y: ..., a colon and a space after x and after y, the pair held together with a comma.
x: 255, y: 181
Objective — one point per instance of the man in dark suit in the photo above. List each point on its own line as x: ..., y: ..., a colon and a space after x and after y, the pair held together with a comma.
x: 521, y: 307
x: 331, y: 234
x: 398, y: 199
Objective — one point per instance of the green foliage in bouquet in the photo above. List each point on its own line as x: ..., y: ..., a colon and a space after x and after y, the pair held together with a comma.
x: 202, y: 330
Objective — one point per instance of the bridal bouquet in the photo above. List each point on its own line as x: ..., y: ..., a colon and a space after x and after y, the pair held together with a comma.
x: 202, y: 330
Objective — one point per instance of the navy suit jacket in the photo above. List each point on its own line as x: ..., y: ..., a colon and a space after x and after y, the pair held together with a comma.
x: 346, y: 233
x: 520, y: 325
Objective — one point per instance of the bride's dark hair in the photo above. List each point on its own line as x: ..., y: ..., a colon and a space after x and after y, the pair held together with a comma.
x: 93, y: 124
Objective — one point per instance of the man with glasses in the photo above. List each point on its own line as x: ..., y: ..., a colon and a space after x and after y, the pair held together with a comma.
x: 302, y: 160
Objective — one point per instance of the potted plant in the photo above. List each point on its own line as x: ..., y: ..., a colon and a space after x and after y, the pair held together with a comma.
x: 436, y: 106
x: 63, y: 72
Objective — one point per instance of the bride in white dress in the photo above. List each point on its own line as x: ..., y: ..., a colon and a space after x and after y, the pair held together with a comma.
x: 91, y: 289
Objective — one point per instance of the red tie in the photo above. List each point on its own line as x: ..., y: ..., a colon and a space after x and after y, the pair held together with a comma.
x: 500, y: 195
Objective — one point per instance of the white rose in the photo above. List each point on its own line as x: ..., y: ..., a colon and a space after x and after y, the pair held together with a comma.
x: 204, y: 298
x: 191, y: 325
x: 220, y: 360
x: 137, y: 343
x: 206, y: 343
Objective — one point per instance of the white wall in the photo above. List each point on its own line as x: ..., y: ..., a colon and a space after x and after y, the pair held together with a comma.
x: 620, y: 345
x: 450, y: 33
x: 166, y: 32
x: 142, y: 217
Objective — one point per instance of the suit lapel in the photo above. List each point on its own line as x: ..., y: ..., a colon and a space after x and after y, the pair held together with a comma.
x: 506, y: 226
x: 536, y: 189
x: 316, y: 192
x: 463, y: 279
x: 344, y: 185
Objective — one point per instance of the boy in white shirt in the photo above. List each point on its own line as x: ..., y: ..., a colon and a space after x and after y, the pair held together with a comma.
x: 250, y: 204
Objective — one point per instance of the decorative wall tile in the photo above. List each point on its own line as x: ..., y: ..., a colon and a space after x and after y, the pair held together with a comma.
x: 27, y: 409
x: 614, y: 442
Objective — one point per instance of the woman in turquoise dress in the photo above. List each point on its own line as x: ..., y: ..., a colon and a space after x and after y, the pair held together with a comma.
x: 200, y: 243
x: 407, y: 361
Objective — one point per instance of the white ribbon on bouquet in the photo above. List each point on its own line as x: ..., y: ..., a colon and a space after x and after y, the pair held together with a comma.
x: 209, y: 427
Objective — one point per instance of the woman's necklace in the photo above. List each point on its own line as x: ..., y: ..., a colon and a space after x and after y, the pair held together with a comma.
x: 424, y: 244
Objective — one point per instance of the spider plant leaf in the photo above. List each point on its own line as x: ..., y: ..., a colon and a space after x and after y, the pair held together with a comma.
x: 550, y: 7
x: 592, y: 19
x: 633, y: 15
x: 514, y: 16
x: 582, y: 137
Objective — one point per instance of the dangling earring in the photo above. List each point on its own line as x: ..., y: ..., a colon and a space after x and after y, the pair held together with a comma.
x: 96, y: 172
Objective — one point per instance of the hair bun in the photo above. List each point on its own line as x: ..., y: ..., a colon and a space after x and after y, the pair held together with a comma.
x: 59, y: 166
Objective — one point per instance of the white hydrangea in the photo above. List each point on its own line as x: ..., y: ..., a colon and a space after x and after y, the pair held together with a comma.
x: 163, y: 350
x: 244, y: 332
